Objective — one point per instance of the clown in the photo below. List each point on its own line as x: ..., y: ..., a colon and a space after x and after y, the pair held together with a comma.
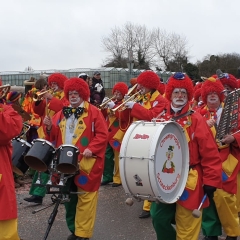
x: 51, y: 103
x: 222, y: 212
x: 204, y: 171
x: 169, y: 166
x: 149, y: 105
x: 117, y: 123
x: 81, y: 124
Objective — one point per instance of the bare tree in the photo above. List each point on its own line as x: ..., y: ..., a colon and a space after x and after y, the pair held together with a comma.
x: 169, y: 47
x: 129, y: 40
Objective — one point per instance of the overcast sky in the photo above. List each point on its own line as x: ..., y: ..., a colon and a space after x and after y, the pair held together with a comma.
x: 65, y: 34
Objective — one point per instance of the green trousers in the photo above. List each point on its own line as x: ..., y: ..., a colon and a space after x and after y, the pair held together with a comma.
x: 108, y: 164
x: 163, y: 216
x: 211, y: 225
x: 70, y: 207
x: 38, y: 190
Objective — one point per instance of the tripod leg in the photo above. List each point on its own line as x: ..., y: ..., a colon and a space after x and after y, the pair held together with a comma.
x: 52, y: 217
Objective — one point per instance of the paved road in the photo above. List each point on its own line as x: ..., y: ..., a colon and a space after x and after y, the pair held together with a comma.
x: 115, y: 220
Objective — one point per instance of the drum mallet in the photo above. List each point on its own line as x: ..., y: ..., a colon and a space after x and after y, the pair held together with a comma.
x: 196, y: 212
x: 129, y: 201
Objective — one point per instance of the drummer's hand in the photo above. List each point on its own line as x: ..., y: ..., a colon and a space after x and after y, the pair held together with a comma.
x: 227, y: 139
x: 47, y: 122
x: 87, y: 153
x: 210, y: 122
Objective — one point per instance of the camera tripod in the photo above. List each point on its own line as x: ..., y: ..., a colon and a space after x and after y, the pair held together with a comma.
x: 58, y: 197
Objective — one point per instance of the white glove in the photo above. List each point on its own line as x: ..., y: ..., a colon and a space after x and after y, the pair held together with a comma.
x: 99, y: 87
x: 129, y: 104
x: 126, y: 97
x: 111, y: 105
x: 105, y: 99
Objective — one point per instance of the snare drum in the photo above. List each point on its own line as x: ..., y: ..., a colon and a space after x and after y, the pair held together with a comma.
x: 67, y: 159
x: 40, y: 155
x: 154, y: 161
x: 20, y: 149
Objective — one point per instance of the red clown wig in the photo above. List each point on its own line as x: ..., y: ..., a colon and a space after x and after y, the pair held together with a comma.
x: 229, y: 80
x: 149, y: 80
x: 179, y: 80
x: 79, y: 85
x: 121, y: 87
x: 212, y: 85
x: 57, y: 78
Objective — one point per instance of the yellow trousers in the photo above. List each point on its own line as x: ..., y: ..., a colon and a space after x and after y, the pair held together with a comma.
x: 85, y: 213
x: 238, y: 192
x: 8, y: 230
x: 187, y: 226
x: 116, y: 176
x: 227, y: 212
x: 146, y: 205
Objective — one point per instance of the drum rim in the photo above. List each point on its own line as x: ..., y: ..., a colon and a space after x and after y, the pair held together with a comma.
x: 68, y: 145
x: 23, y: 141
x: 43, y: 140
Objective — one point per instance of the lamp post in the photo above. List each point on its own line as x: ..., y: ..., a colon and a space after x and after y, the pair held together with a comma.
x: 130, y: 63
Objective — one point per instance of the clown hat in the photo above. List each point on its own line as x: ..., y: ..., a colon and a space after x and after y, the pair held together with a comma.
x: 79, y: 85
x: 149, y: 80
x: 229, y: 80
x: 212, y: 85
x: 179, y: 80
x: 121, y: 87
x: 57, y: 78
x: 13, y: 96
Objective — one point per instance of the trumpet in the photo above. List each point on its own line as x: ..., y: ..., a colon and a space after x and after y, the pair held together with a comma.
x: 133, y: 97
x: 4, y: 90
x: 39, y: 95
x: 104, y: 104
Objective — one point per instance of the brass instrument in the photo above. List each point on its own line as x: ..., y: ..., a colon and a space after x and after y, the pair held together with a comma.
x: 39, y: 95
x: 133, y: 98
x: 104, y: 104
x: 4, y: 90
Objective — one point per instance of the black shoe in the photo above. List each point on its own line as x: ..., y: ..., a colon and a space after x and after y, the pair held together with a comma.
x: 210, y: 238
x: 231, y: 238
x: 116, y: 184
x: 34, y: 199
x: 72, y: 237
x: 144, y: 214
x: 105, y: 183
x: 82, y: 238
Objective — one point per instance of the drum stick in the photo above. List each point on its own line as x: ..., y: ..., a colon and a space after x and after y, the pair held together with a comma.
x: 94, y: 156
x: 196, y: 212
x: 46, y: 108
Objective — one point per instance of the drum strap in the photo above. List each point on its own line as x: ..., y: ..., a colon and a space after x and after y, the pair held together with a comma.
x: 190, y: 112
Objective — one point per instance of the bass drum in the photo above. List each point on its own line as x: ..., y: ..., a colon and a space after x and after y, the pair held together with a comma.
x: 20, y: 149
x: 154, y: 161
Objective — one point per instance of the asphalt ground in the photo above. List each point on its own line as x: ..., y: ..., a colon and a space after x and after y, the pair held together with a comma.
x: 115, y: 220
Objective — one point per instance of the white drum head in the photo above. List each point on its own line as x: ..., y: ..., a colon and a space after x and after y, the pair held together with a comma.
x: 171, y: 163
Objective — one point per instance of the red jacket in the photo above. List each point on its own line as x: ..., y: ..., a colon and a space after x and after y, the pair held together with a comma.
x: 117, y: 125
x: 230, y: 172
x: 91, y: 133
x: 11, y: 125
x: 204, y: 160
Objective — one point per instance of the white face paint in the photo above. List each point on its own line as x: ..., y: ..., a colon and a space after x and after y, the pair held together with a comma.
x: 179, y: 97
x: 74, y: 98
x: 213, y: 98
x: 54, y: 86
